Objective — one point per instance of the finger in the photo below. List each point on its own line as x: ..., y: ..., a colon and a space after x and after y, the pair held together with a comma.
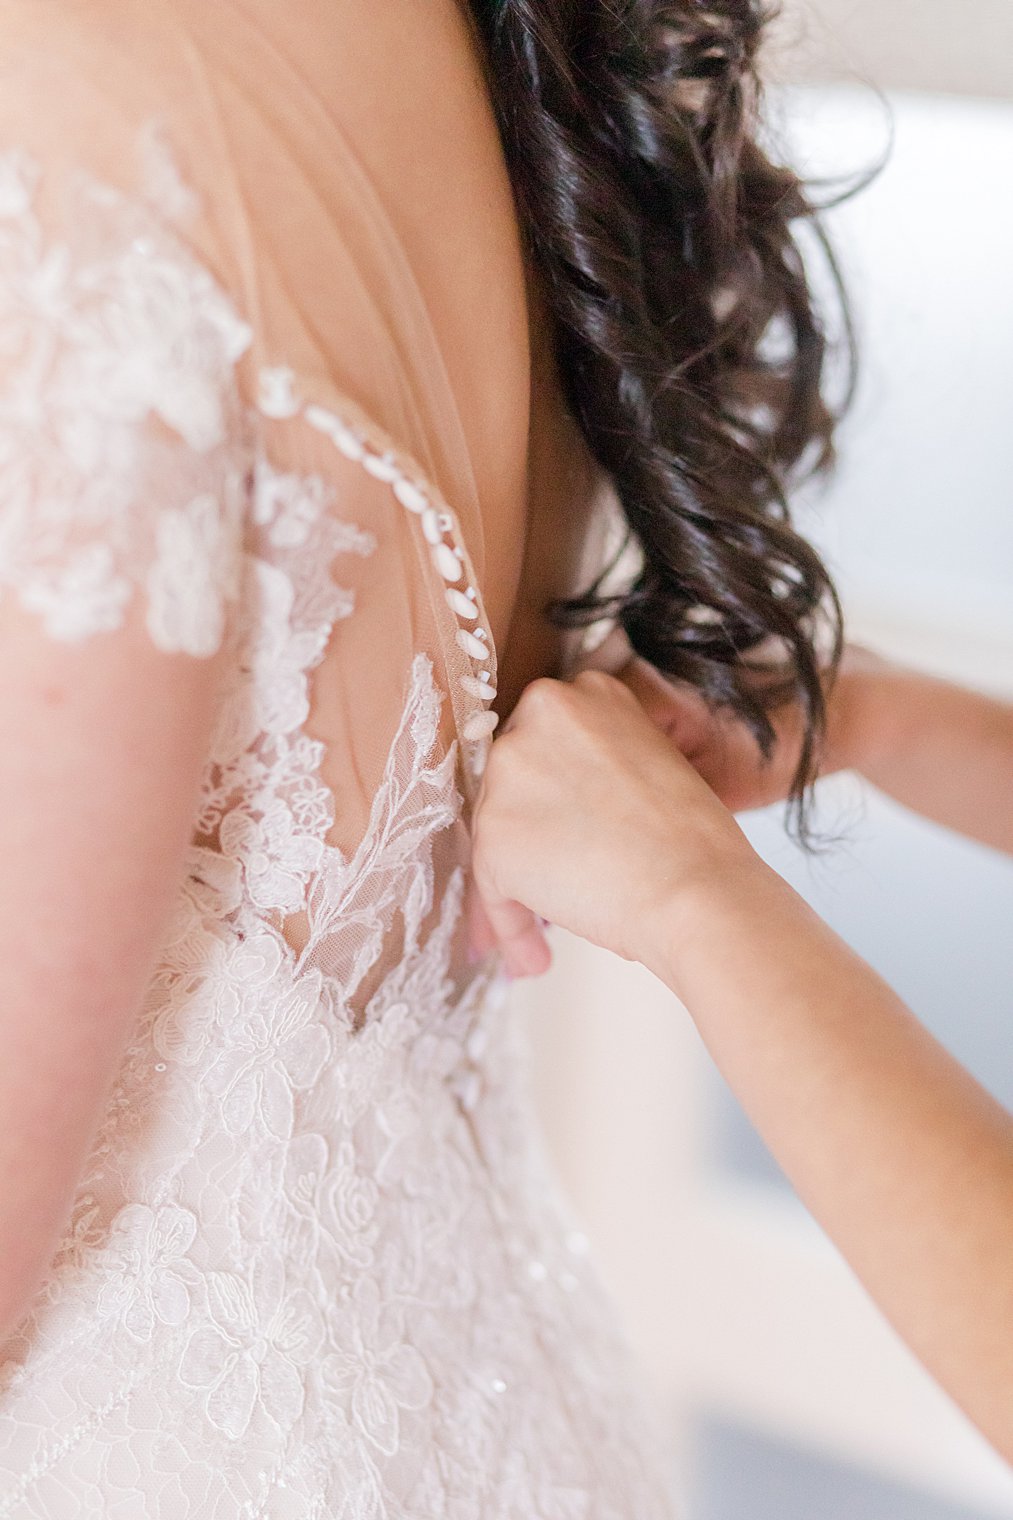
x: 719, y: 746
x: 519, y: 935
x: 611, y: 655
x: 678, y: 711
x: 481, y: 934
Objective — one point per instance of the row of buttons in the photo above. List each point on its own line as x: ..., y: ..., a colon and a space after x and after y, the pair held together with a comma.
x: 278, y: 401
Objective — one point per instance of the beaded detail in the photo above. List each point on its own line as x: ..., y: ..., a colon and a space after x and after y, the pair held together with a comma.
x: 279, y: 399
x: 315, y: 1266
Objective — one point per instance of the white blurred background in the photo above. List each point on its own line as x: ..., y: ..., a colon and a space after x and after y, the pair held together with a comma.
x: 788, y: 1397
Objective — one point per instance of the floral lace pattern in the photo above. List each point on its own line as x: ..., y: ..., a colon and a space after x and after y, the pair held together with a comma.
x: 315, y: 1268
x: 96, y: 349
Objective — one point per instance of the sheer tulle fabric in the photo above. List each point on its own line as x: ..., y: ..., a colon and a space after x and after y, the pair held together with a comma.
x: 315, y: 1268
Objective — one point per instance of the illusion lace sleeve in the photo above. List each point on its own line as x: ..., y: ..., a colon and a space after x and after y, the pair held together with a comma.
x: 265, y: 387
x: 121, y: 455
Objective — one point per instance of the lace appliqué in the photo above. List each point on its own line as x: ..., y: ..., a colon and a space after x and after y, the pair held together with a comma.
x: 314, y: 1268
x: 357, y: 440
x: 120, y: 463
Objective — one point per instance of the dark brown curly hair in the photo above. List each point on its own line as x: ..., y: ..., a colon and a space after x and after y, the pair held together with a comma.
x: 690, y: 344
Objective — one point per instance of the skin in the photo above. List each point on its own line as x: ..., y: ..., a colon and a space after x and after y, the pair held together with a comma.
x: 592, y: 818
x: 94, y: 735
x: 114, y: 731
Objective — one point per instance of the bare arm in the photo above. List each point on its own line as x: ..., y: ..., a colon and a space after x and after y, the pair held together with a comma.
x: 940, y: 749
x: 901, y: 1156
x: 592, y: 819
x: 99, y: 771
x: 123, y: 494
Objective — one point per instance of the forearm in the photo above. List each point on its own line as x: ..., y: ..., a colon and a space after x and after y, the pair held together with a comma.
x: 901, y: 1156
x: 939, y: 749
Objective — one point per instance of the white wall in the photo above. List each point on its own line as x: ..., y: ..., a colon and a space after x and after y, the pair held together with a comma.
x: 737, y: 1305
x: 901, y: 44
x: 919, y: 521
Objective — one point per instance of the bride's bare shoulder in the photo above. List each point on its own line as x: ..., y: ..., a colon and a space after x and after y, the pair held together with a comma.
x: 79, y: 75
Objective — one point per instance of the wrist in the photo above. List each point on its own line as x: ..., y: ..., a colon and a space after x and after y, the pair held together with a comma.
x: 863, y: 713
x: 847, y: 722
x: 689, y: 917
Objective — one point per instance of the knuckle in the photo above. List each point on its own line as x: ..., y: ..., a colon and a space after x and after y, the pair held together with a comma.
x: 541, y: 695
x: 499, y: 765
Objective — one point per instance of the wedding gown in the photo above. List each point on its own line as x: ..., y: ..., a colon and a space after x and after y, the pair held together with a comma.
x: 315, y: 1266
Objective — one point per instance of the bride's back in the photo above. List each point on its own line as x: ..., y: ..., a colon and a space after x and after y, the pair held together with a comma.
x: 349, y: 193
x: 279, y: 468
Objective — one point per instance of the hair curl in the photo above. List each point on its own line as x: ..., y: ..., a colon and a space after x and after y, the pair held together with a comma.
x: 689, y: 341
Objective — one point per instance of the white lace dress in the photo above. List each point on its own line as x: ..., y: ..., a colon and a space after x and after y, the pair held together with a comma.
x: 315, y: 1269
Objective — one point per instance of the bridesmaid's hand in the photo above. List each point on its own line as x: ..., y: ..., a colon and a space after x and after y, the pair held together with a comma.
x: 591, y: 818
x: 719, y: 745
